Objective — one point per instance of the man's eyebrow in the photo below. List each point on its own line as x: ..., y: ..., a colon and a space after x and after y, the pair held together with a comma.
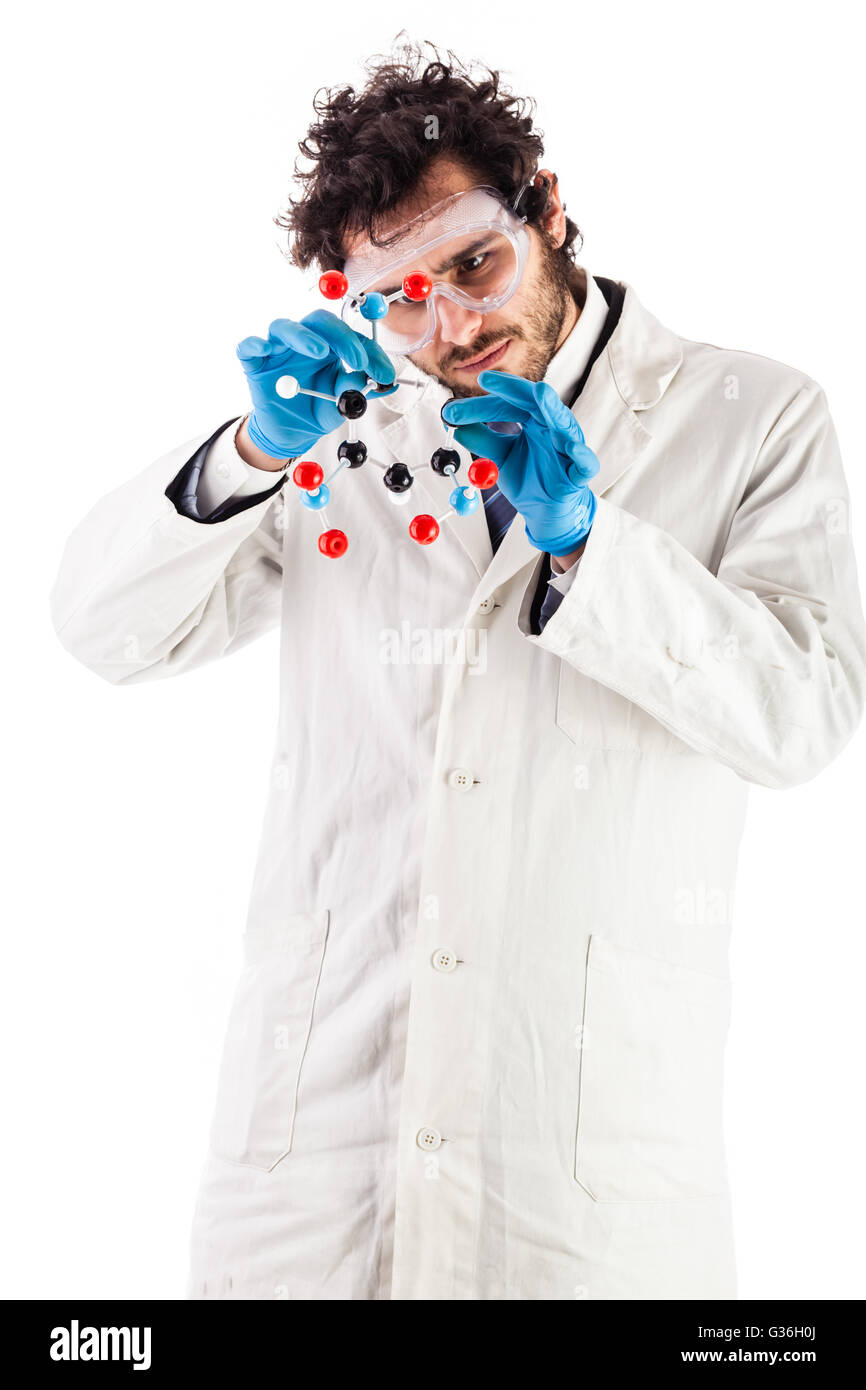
x: 462, y: 255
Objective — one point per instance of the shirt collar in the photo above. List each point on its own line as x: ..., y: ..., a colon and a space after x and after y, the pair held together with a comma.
x: 568, y: 364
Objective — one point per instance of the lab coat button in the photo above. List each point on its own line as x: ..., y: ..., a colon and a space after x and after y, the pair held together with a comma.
x: 428, y: 1138
x: 460, y: 778
x: 486, y: 606
x: 444, y: 960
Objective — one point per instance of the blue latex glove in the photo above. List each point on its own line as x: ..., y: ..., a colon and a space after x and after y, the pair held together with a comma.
x: 313, y: 351
x: 543, y: 467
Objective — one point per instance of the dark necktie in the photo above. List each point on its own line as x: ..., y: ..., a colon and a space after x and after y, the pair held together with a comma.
x: 500, y: 515
x: 499, y: 511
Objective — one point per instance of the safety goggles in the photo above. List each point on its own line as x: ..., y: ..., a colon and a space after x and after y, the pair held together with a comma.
x: 470, y: 249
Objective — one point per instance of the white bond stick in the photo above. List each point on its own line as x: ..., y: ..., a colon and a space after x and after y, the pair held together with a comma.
x: 322, y: 395
x: 341, y: 464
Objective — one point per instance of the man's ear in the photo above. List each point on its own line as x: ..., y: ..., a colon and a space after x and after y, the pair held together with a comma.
x: 552, y: 219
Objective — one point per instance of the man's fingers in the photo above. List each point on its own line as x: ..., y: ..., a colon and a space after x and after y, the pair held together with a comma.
x: 286, y: 334
x: 283, y: 336
x: 474, y: 409
x: 340, y: 338
x: 478, y: 439
x: 508, y: 387
x: 349, y: 381
x: 253, y: 349
x: 359, y: 353
x: 582, y: 464
x: 537, y: 398
x: 557, y: 416
x: 378, y: 365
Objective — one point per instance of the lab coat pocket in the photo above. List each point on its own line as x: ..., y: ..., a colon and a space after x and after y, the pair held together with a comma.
x: 268, y: 1029
x: 649, y: 1122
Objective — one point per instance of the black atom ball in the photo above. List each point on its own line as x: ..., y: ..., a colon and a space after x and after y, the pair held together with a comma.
x: 352, y: 404
x: 354, y: 451
x: 398, y: 478
x: 442, y: 458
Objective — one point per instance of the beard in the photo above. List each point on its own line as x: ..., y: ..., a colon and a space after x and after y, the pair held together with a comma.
x: 550, y: 295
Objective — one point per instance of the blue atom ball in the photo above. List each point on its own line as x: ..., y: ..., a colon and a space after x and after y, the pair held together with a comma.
x: 375, y: 306
x: 463, y: 502
x: 317, y: 500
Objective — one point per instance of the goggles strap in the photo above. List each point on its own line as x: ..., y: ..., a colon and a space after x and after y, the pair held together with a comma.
x: 524, y: 197
x: 515, y: 206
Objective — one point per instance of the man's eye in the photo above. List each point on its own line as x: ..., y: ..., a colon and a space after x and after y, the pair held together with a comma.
x: 474, y: 262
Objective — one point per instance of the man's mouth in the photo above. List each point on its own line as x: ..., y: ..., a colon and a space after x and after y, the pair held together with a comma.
x: 481, y: 364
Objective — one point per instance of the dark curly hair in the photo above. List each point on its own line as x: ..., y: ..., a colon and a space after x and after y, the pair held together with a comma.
x: 369, y: 150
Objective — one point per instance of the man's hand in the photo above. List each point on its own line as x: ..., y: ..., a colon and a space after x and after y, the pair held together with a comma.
x: 543, y: 466
x: 323, y: 354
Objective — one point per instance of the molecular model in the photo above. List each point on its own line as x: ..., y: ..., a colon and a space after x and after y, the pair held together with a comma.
x: 309, y: 478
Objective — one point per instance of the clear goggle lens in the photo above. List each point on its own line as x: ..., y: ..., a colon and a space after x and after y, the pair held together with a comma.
x: 477, y: 268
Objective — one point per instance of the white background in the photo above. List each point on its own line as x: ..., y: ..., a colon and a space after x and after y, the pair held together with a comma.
x: 712, y: 155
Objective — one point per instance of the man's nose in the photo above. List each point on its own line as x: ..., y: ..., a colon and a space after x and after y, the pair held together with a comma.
x: 456, y: 324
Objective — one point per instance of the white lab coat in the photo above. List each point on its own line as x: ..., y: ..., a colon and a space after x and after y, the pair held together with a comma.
x: 476, y: 1050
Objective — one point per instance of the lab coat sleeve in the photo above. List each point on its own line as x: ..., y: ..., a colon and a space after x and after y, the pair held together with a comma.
x: 143, y: 591
x: 761, y: 665
x: 224, y: 474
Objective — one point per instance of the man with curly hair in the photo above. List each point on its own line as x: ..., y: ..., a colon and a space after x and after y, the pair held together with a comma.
x: 476, y: 1051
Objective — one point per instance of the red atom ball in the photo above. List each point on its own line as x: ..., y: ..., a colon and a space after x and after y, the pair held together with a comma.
x: 307, y: 475
x: 424, y: 529
x: 333, y: 284
x: 483, y: 473
x: 417, y: 286
x: 333, y: 544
